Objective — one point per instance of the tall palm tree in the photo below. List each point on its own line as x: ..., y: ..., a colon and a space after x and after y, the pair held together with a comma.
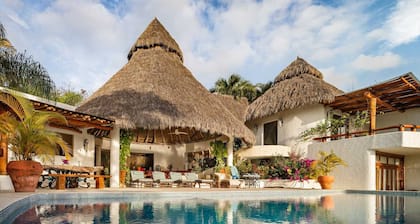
x: 236, y: 86
x: 20, y: 72
x: 26, y: 129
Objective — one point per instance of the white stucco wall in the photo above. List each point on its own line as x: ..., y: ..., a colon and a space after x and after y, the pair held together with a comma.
x: 291, y: 124
x: 411, y: 116
x: 360, y: 153
x: 360, y: 172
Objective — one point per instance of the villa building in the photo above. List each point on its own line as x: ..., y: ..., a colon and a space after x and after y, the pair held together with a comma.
x: 173, y: 119
x: 382, y: 156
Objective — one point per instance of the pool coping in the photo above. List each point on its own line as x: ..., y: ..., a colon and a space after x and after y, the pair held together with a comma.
x: 12, y: 203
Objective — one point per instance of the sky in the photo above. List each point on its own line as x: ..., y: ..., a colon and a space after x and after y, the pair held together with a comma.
x: 83, y: 43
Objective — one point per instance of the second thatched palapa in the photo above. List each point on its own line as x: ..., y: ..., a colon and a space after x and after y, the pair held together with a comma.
x: 299, y: 84
x: 155, y: 95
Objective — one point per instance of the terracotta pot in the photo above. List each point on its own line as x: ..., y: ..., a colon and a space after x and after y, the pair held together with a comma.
x: 326, y: 181
x: 24, y: 174
x: 123, y: 174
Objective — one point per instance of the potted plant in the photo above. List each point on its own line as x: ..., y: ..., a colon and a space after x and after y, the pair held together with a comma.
x: 28, y: 136
x: 125, y: 141
x: 324, y: 166
x: 359, y: 121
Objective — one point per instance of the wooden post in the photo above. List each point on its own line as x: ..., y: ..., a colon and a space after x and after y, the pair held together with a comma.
x: 372, y: 102
x: 3, y: 154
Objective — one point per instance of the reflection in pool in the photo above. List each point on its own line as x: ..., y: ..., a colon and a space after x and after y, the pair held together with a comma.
x: 341, y: 208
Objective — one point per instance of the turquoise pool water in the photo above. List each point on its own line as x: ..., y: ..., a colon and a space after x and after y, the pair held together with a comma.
x: 242, y: 207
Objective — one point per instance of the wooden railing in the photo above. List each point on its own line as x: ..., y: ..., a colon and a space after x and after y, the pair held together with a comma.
x: 402, y: 127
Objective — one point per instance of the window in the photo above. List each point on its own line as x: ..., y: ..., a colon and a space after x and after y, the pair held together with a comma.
x: 270, y: 133
x: 69, y: 140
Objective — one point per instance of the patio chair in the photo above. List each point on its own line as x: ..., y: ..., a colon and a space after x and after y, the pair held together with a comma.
x: 176, y: 177
x: 159, y: 179
x: 138, y: 179
x: 192, y: 178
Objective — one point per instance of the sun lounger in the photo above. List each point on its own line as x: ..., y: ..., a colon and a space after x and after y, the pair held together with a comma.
x: 138, y: 179
x: 193, y: 179
x: 177, y: 178
x: 159, y: 179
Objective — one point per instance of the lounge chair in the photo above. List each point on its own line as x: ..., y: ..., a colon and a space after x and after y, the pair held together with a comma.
x: 138, y: 179
x: 193, y: 179
x: 159, y: 178
x: 177, y: 178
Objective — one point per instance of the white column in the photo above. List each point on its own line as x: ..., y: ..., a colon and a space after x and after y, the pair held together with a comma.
x: 230, y: 151
x: 115, y: 158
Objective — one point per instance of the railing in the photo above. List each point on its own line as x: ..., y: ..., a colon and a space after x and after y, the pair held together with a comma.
x: 402, y: 127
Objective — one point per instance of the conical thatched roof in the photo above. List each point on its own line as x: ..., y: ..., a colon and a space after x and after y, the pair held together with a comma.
x: 156, y: 95
x: 237, y: 107
x: 299, y: 84
x: 156, y: 35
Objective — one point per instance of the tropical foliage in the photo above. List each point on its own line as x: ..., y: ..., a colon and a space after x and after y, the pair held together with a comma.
x: 26, y: 129
x: 126, y: 137
x: 71, y: 97
x: 327, y: 163
x: 333, y: 125
x: 20, y: 72
x: 219, y: 151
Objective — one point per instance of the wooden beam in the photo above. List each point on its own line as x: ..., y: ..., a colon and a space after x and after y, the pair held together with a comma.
x: 372, y: 108
x: 409, y: 84
x: 369, y: 95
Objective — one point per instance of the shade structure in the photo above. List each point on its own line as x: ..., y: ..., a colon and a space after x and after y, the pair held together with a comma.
x: 158, y: 98
x: 299, y: 84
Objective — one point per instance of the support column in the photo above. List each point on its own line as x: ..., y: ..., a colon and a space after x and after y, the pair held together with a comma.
x: 230, y: 151
x: 114, y: 168
x: 372, y: 103
x: 3, y: 154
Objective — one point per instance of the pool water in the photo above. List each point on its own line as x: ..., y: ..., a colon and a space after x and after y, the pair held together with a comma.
x: 337, y: 208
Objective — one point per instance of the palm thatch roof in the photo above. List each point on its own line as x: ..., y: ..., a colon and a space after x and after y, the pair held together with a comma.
x: 157, y: 97
x: 299, y: 84
x: 237, y: 107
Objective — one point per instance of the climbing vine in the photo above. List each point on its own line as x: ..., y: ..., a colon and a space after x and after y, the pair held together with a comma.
x: 125, y: 140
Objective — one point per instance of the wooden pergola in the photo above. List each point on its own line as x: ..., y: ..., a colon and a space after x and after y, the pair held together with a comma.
x: 398, y: 94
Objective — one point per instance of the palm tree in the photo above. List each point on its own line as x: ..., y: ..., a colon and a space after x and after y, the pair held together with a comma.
x: 263, y: 87
x: 236, y: 86
x: 26, y: 129
x: 4, y: 42
x: 20, y: 72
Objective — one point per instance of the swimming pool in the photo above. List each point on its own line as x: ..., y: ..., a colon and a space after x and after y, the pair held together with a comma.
x: 299, y: 206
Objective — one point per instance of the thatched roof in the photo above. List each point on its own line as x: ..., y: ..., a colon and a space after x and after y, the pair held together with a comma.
x: 156, y: 95
x: 299, y: 84
x: 156, y: 35
x: 237, y: 107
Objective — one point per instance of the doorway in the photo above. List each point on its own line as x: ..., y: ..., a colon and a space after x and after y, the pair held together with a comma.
x: 389, y: 171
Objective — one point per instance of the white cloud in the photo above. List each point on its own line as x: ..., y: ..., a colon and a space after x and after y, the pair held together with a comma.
x: 376, y: 63
x: 340, y: 79
x: 84, y: 43
x: 402, y: 26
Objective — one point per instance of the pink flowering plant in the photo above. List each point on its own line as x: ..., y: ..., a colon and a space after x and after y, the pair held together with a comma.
x: 294, y: 167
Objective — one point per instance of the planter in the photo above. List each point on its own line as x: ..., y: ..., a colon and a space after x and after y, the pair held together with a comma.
x: 326, y: 181
x: 24, y: 174
x: 123, y: 174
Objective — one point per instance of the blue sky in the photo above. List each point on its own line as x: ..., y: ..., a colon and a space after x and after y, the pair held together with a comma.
x: 82, y: 43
